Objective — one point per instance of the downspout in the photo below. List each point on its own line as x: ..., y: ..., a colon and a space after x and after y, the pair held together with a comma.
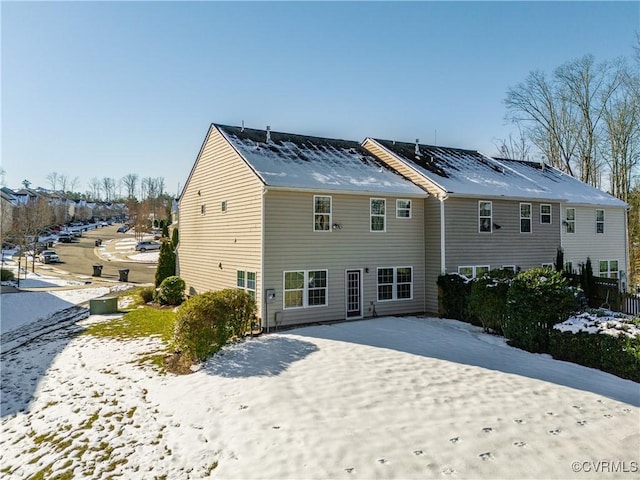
x: 626, y: 249
x: 443, y: 257
x: 265, y: 308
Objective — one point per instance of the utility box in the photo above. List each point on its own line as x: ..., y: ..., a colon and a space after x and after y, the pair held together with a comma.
x: 99, y: 306
x: 270, y: 294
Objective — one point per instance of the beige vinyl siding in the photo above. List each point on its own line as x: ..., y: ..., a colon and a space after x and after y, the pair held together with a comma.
x: 433, y: 252
x: 215, y: 245
x: 465, y: 246
x: 292, y: 245
x: 585, y: 242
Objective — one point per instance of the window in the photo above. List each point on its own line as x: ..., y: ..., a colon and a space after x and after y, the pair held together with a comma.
x: 403, y: 208
x: 202, y: 208
x: 511, y: 268
x: 545, y: 214
x: 599, y: 221
x: 548, y: 265
x: 321, y: 213
x: 484, y: 215
x: 570, y: 220
x: 305, y: 289
x: 609, y: 268
x: 223, y: 206
x: 525, y: 218
x: 568, y: 267
x: 247, y: 281
x: 378, y: 207
x: 395, y: 283
x: 473, y: 271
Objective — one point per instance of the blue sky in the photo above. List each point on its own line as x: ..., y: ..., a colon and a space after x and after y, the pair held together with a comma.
x: 106, y: 89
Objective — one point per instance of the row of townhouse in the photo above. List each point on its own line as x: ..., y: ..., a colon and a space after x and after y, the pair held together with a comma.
x: 63, y: 208
x: 321, y: 229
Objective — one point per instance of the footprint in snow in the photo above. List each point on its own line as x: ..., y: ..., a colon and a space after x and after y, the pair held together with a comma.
x: 244, y: 407
x: 276, y: 427
x: 519, y: 444
x: 448, y: 471
x: 551, y: 414
x: 581, y: 422
x: 555, y: 432
x: 382, y: 461
x: 418, y: 452
x: 519, y: 421
x: 454, y: 439
x: 607, y: 415
x: 349, y: 470
x: 626, y: 410
x: 485, y: 456
x: 487, y: 429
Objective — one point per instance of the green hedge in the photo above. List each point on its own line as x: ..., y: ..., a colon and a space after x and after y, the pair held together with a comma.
x: 537, y: 299
x: 488, y: 300
x: 6, y: 275
x: 171, y: 291
x: 454, y: 293
x: 617, y: 355
x: 206, y: 322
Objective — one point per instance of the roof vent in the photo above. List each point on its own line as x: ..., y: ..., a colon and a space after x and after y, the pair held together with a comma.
x: 268, y: 134
x: 417, y: 150
x: 542, y: 162
x: 242, y: 129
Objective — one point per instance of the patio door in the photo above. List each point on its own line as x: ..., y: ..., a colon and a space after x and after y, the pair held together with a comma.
x: 354, y: 293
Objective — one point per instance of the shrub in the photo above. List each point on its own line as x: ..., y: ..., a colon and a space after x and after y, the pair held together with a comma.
x: 6, y: 275
x: 166, y: 263
x: 174, y: 238
x: 619, y: 355
x: 488, y: 300
x: 454, y: 292
x: 147, y: 294
x: 165, y: 231
x: 171, y: 291
x: 537, y: 299
x: 206, y: 322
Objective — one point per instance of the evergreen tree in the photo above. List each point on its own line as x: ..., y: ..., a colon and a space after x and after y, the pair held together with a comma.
x: 166, y: 263
x: 559, y: 265
x: 165, y: 231
x: 174, y: 238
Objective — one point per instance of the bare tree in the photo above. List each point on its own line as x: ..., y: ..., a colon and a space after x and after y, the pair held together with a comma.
x: 536, y: 107
x: 29, y: 219
x: 52, y: 178
x: 570, y: 117
x: 2, y: 174
x: 95, y: 188
x: 108, y: 187
x: 515, y: 149
x: 130, y: 182
x: 73, y: 184
x: 621, y: 144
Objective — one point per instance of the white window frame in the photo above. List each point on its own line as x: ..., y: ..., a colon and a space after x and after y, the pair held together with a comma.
x: 378, y: 215
x: 481, y: 217
x: 545, y: 215
x: 474, y: 270
x: 569, y: 224
x: 306, y: 288
x: 600, y: 222
x: 529, y: 218
x: 608, y: 273
x: 404, y: 209
x: 394, y: 284
x: 317, y: 214
x: 246, y: 282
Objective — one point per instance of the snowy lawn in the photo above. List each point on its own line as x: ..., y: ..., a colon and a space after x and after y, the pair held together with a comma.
x: 382, y: 398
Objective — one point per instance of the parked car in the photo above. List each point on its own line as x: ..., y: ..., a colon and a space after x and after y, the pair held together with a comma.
x: 147, y: 245
x: 123, y: 229
x: 48, y: 256
x: 64, y: 237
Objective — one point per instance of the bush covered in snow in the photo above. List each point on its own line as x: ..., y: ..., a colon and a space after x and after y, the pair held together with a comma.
x: 600, y: 339
x: 171, y: 291
x: 537, y: 299
x: 488, y: 300
x: 206, y: 322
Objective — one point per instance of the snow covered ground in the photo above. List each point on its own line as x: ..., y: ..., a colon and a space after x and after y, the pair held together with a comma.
x: 602, y: 321
x: 384, y: 398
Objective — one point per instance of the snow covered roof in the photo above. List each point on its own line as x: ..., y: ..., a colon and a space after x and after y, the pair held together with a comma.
x: 471, y: 173
x: 297, y: 161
